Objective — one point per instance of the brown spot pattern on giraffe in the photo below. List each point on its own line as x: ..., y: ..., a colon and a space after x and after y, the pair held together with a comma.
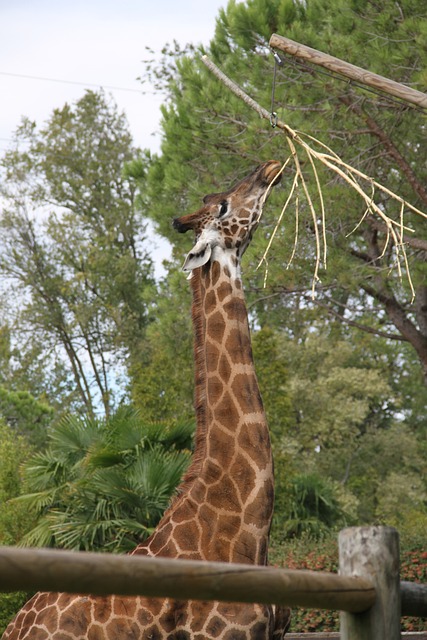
x: 245, y: 477
x: 215, y: 327
x: 224, y: 368
x: 224, y: 290
x: 212, y: 357
x: 238, y: 348
x: 215, y: 389
x: 215, y: 627
x: 226, y: 412
x: 210, y: 301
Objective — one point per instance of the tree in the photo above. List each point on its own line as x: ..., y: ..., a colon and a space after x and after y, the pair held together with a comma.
x: 273, y: 377
x: 162, y: 376
x: 73, y: 248
x: 26, y: 415
x: 209, y: 135
x: 104, y: 484
x: 343, y: 431
x: 20, y: 410
x: 335, y: 399
x: 14, y: 519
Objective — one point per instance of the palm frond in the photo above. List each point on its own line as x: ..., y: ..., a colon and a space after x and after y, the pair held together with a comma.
x: 105, y: 483
x: 75, y: 435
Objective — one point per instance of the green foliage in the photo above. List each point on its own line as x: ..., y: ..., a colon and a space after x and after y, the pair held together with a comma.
x: 273, y: 376
x: 14, y: 519
x: 25, y: 414
x: 104, y: 483
x: 402, y: 499
x: 386, y: 471
x: 334, y: 397
x: 310, y: 507
x: 10, y: 604
x: 342, y: 430
x: 162, y: 374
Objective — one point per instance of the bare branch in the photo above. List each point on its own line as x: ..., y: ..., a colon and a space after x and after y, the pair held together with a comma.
x: 352, y: 176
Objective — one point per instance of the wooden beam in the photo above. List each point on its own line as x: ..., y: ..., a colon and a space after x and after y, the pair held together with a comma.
x: 103, y: 574
x: 348, y: 70
x: 414, y: 599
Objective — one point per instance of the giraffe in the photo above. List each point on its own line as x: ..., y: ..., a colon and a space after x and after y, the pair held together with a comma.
x: 223, y: 507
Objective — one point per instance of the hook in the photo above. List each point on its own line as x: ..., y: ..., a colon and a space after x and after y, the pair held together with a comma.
x: 273, y: 119
x: 276, y: 57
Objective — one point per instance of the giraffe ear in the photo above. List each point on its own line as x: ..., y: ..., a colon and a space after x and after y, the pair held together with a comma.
x: 199, y: 255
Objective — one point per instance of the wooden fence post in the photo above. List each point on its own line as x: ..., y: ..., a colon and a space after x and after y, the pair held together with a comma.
x: 372, y: 552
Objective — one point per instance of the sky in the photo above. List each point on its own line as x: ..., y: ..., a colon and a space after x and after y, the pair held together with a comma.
x: 87, y: 44
x: 90, y: 42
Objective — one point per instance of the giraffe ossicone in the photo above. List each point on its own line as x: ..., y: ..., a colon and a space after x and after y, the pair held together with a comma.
x: 223, y: 507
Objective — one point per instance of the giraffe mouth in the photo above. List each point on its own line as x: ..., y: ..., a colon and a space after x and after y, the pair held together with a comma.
x: 181, y: 227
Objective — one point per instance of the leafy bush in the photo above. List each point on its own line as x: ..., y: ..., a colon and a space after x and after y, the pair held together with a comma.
x: 308, y: 506
x: 10, y: 604
x: 323, y: 556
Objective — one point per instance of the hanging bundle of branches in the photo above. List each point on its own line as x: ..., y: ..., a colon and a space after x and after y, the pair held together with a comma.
x: 365, y: 186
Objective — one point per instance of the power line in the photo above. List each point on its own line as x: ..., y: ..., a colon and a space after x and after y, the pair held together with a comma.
x: 81, y: 84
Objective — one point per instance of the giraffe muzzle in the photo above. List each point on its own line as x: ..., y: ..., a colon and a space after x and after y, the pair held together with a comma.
x: 181, y: 227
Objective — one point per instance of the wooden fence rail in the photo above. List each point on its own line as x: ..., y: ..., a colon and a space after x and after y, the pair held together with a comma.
x: 103, y: 574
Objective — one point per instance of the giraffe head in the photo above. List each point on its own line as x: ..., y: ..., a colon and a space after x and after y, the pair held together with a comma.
x: 228, y: 219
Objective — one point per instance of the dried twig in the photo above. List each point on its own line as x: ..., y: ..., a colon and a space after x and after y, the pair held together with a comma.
x: 351, y: 175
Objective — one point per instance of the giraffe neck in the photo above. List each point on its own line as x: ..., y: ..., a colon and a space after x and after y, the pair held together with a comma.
x: 236, y: 464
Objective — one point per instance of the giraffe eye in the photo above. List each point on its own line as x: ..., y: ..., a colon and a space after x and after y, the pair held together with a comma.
x: 223, y: 208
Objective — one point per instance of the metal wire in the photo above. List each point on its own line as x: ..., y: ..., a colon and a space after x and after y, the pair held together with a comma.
x: 277, y: 61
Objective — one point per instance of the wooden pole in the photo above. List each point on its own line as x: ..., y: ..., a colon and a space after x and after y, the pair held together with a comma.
x: 348, y: 70
x: 372, y: 552
x: 103, y: 574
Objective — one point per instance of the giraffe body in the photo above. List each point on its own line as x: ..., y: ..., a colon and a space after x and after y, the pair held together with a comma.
x: 224, y: 506
x: 70, y: 617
